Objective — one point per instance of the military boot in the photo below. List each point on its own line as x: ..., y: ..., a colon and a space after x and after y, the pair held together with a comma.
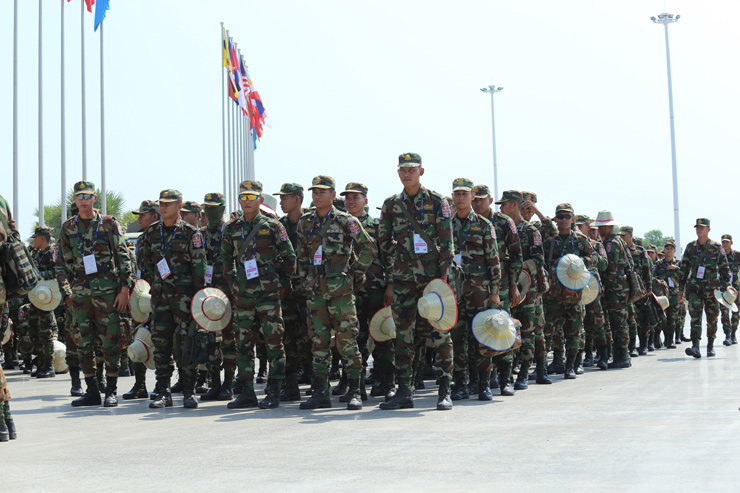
x: 320, y: 397
x: 354, y: 397
x: 651, y: 341
x: 215, y: 390
x: 621, y: 358
x: 391, y: 379
x: 36, y: 366
x: 642, y: 349
x: 588, y: 361
x: 100, y: 375
x: 341, y: 387
x: 291, y: 392
x: 402, y: 399
x: 694, y: 349
x: 570, y: 373
x: 272, y: 399
x: 419, y: 381
x: 247, y: 398
x: 262, y: 373
x: 372, y: 379
x: 27, y: 365
x: 503, y: 380
x: 669, y: 344
x: 91, y: 397
x: 74, y: 375
x: 227, y: 393
x: 363, y: 390
x: 541, y: 372
x: 138, y: 391
x: 734, y: 336
x: 728, y: 339
x: 603, y: 363
x: 461, y: 387
x: 177, y: 388
x: 472, y: 382
x: 46, y: 370
x: 556, y: 367
x: 484, y: 390
x: 238, y: 387
x: 111, y: 392
x: 4, y: 431
x: 444, y: 400
x: 656, y: 342
x: 521, y: 379
x: 201, y: 385
x: 710, y: 348
x: 380, y: 387
x: 577, y: 367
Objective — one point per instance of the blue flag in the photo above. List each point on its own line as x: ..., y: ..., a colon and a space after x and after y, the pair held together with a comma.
x: 100, y: 7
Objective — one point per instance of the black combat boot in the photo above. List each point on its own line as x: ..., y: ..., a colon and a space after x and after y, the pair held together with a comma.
x: 247, y: 398
x: 215, y: 390
x: 74, y: 375
x: 621, y: 358
x: 472, y: 381
x: 320, y: 397
x: 603, y: 363
x: 9, y: 423
x: 694, y: 349
x: 201, y: 384
x: 728, y: 338
x: 188, y: 390
x: 461, y: 387
x: 391, y: 379
x: 341, y: 387
x: 45, y: 369
x: 710, y: 347
x: 226, y: 393
x: 444, y: 400
x: 36, y: 366
x: 91, y: 397
x: 521, y: 379
x: 100, y: 375
x: 570, y: 373
x: 354, y: 397
x: 363, y: 390
x: 556, y: 367
x: 272, y: 399
x: 163, y: 395
x: 541, y: 372
x: 484, y: 390
x: 419, y: 381
x: 588, y: 361
x: 632, y: 351
x: 402, y: 399
x: 27, y: 365
x: 577, y: 367
x: 111, y: 392
x: 305, y: 376
x: 380, y: 387
x: 734, y: 336
x: 504, y: 385
x: 138, y: 391
x: 372, y: 379
x: 657, y: 342
x: 291, y: 392
x: 642, y: 350
x: 669, y: 344
x: 239, y: 385
x: 262, y: 373
x: 651, y: 341
x: 177, y: 388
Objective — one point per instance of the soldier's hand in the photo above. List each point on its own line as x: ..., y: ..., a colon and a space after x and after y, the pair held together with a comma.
x: 121, y: 303
x: 672, y: 267
x: 68, y: 301
x: 680, y: 296
x: 388, y: 295
x: 515, y: 296
x: 495, y: 299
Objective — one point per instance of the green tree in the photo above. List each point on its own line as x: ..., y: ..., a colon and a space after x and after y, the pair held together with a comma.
x: 53, y: 213
x: 655, y: 237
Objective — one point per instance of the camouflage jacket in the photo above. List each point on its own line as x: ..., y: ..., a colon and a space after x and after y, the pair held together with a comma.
x: 712, y: 259
x: 181, y: 245
x: 733, y: 260
x: 530, y: 241
x: 475, y: 242
x: 643, y: 265
x: 548, y: 230
x: 670, y: 276
x: 7, y: 223
x: 616, y: 284
x: 270, y: 247
x: 509, y: 251
x: 212, y: 241
x: 291, y: 228
x: 332, y: 252
x: 103, y: 238
x: 396, y: 235
x: 45, y: 261
x: 575, y: 243
x: 377, y: 276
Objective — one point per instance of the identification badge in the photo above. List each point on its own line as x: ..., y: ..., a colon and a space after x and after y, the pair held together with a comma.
x: 138, y: 273
x: 209, y: 274
x: 90, y: 266
x: 671, y: 284
x: 700, y: 272
x: 420, y: 246
x: 317, y: 257
x: 458, y: 258
x: 164, y: 269
x: 250, y: 268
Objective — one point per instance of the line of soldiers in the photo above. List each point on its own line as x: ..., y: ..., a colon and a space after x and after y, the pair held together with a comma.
x: 305, y: 287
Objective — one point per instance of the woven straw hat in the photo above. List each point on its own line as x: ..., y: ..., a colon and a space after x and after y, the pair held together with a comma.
x: 211, y: 309
x: 572, y: 272
x: 727, y: 298
x: 59, y: 359
x: 495, y: 329
x: 591, y: 291
x: 438, y: 305
x: 140, y: 301
x: 382, y: 326
x: 46, y: 295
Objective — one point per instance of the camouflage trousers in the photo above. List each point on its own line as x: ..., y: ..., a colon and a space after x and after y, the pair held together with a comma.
x: 701, y: 301
x: 296, y: 340
x: 729, y: 323
x: 98, y: 323
x: 669, y: 326
x: 222, y: 350
x: 171, y: 321
x: 411, y: 328
x: 259, y: 316
x: 533, y: 336
x: 565, y: 322
x: 337, y: 313
x: 368, y: 303
x: 71, y: 338
x: 682, y: 312
x: 39, y: 335
x: 617, y: 314
x: 594, y: 323
x: 468, y: 306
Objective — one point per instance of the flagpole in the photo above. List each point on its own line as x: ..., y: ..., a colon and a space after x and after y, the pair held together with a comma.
x: 82, y: 87
x: 64, y: 145
x: 250, y: 144
x: 102, y: 127
x: 240, y: 142
x: 227, y: 192
x: 228, y: 148
x: 41, y: 126
x: 15, y: 110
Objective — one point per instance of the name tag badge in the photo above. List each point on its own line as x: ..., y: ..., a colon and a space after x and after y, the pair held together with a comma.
x: 164, y: 269
x: 209, y: 274
x: 700, y: 272
x: 317, y: 257
x: 250, y: 268
x: 671, y: 284
x: 458, y: 258
x: 90, y: 266
x: 420, y: 246
x: 138, y: 273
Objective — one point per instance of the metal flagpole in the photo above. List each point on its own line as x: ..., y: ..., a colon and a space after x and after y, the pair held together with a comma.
x: 41, y: 126
x: 239, y: 150
x: 235, y: 167
x: 15, y: 110
x: 82, y: 87
x: 250, y: 149
x: 227, y: 192
x: 104, y: 205
x: 231, y: 165
x: 64, y: 138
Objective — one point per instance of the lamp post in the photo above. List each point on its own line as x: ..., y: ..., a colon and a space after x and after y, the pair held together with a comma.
x: 492, y: 90
x: 666, y: 19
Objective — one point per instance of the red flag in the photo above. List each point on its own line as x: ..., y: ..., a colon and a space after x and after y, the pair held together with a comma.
x: 89, y: 4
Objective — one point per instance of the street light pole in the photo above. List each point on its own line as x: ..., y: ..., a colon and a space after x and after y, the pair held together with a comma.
x: 492, y: 90
x: 666, y: 19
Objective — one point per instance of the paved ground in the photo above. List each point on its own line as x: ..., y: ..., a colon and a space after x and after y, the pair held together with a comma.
x: 670, y: 422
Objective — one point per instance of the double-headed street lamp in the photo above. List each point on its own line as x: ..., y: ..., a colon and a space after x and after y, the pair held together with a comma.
x: 492, y: 90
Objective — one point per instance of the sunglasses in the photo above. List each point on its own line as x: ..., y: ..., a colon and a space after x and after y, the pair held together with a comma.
x: 85, y: 196
x: 563, y: 216
x: 248, y: 196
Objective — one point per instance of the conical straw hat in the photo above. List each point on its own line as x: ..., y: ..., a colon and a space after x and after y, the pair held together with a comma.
x: 525, y: 281
x: 727, y: 298
x: 382, y: 326
x: 145, y: 334
x: 495, y: 329
x: 139, y: 352
x: 8, y: 333
x: 140, y: 301
x: 605, y: 218
x: 46, y: 295
x: 572, y: 272
x: 59, y: 359
x: 591, y: 291
x: 663, y: 301
x: 438, y: 305
x: 211, y: 309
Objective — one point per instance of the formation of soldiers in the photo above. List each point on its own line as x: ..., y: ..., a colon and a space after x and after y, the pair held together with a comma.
x: 304, y: 288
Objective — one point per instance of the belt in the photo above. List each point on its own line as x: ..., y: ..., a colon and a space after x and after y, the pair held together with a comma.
x: 102, y: 269
x: 324, y: 269
x: 474, y: 269
x: 620, y: 272
x: 180, y: 269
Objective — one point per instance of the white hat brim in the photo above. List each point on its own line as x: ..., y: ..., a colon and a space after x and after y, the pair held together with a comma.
x: 59, y: 358
x: 449, y: 304
x: 525, y: 282
x: 562, y: 272
x: 143, y: 333
x: 56, y: 295
x: 140, y: 288
x: 718, y: 296
x: 383, y: 318
x: 591, y: 291
x: 196, y: 310
x: 489, y: 340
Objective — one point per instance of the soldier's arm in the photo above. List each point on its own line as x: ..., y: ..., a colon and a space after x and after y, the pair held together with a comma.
x: 146, y: 259
x: 444, y: 237
x: 647, y: 272
x: 285, y: 253
x: 198, y: 260
x: 61, y: 268
x: 364, y: 246
x: 123, y: 264
x: 302, y: 255
x: 685, y: 269
x: 490, y: 246
x: 226, y: 257
x: 47, y: 267
x: 601, y: 261
x: 723, y: 268
x: 549, y: 231
x: 587, y: 252
x: 385, y: 233
x: 612, y: 256
x: 515, y: 253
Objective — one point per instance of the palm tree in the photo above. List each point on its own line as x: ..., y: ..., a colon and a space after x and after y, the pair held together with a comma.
x: 53, y: 213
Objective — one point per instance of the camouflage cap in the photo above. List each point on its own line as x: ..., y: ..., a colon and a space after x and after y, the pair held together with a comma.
x: 670, y: 242
x: 42, y: 231
x: 290, y: 189
x: 652, y: 248
x: 409, y: 160
x: 637, y: 240
x: 508, y: 195
x: 702, y: 221
x: 564, y: 207
x: 727, y: 237
x: 626, y: 230
x: 462, y: 184
x: 191, y: 206
x: 147, y: 206
x: 251, y: 186
x: 84, y: 187
x: 170, y: 195
x: 323, y: 181
x: 214, y: 199
x: 582, y: 219
x: 481, y: 191
x: 531, y: 196
x: 354, y: 187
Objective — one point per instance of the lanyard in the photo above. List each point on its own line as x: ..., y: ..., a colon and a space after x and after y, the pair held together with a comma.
x: 166, y: 245
x: 462, y: 245
x: 702, y: 251
x: 79, y: 239
x: 572, y: 244
x: 313, y: 226
x: 214, y: 258
x: 421, y: 211
x: 254, y: 241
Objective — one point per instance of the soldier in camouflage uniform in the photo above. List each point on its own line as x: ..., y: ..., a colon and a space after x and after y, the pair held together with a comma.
x: 191, y: 213
x: 729, y: 325
x: 477, y: 284
x: 704, y: 268
x: 667, y: 270
x: 7, y: 228
x: 256, y: 252
x: 639, y: 321
x: 334, y: 252
x: 295, y: 339
x: 97, y: 264
x: 173, y: 263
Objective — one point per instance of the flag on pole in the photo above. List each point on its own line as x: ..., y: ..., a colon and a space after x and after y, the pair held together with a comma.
x: 89, y: 4
x: 234, y: 83
x: 100, y: 9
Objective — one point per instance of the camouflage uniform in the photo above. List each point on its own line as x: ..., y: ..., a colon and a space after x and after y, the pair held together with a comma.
x: 671, y: 278
x: 639, y: 319
x: 730, y: 321
x: 7, y: 228
x: 594, y: 322
x: 616, y: 292
x: 173, y: 328
x: 264, y: 243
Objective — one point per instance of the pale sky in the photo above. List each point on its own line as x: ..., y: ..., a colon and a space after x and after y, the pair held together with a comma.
x: 583, y: 117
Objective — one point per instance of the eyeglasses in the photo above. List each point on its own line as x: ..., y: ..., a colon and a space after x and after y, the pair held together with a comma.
x: 248, y: 196
x: 85, y: 196
x: 563, y: 216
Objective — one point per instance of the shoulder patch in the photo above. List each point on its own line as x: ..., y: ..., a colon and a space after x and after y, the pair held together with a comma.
x: 537, y: 238
x: 609, y: 247
x: 512, y: 226
x: 354, y: 227
x: 197, y: 241
x: 120, y: 229
x: 446, y: 212
x: 283, y: 233
x: 646, y: 254
x: 601, y: 250
x: 493, y: 232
